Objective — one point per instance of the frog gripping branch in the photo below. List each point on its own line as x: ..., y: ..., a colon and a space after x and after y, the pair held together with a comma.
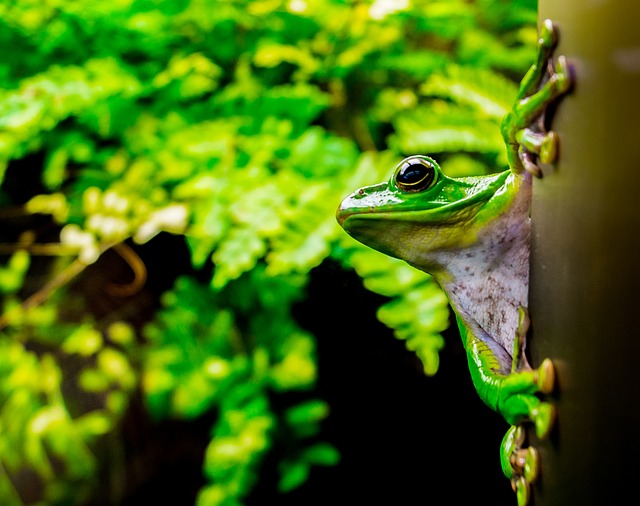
x: 472, y: 235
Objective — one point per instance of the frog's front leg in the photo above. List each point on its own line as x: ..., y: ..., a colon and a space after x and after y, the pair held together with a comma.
x: 530, y: 136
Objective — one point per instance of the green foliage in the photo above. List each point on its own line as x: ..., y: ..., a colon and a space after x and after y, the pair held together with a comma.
x: 237, y: 126
x: 44, y: 428
x: 418, y: 310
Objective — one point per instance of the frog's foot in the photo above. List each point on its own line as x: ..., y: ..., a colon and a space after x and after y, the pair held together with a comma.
x: 533, y: 141
x: 518, y: 402
x: 536, y: 146
x: 519, y: 464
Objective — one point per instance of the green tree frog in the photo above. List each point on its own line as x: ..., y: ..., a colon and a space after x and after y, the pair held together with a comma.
x: 472, y: 234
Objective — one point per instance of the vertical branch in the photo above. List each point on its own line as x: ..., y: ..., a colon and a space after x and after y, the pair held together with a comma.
x: 584, y: 273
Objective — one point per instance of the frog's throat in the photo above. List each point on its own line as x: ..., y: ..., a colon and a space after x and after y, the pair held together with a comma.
x: 488, y: 281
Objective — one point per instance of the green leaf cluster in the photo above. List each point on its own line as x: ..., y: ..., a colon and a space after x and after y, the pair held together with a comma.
x: 64, y: 386
x: 236, y: 126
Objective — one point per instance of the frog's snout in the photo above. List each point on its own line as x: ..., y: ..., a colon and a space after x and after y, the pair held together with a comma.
x: 342, y: 213
x: 340, y: 217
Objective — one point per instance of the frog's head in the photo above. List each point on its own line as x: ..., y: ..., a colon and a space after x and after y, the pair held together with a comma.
x: 420, y: 212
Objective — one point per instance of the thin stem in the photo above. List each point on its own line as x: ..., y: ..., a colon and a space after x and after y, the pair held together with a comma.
x: 137, y: 266
x: 64, y: 277
x: 14, y: 211
x: 49, y: 249
x: 362, y: 134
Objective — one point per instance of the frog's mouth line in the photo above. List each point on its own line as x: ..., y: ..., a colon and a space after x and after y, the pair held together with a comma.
x: 446, y: 213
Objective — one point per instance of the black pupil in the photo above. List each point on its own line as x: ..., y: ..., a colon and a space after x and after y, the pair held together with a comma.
x: 412, y: 174
x: 415, y: 175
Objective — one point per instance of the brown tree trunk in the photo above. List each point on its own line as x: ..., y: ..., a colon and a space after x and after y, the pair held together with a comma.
x: 585, y: 277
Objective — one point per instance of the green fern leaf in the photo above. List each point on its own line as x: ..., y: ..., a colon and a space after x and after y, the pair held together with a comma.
x: 485, y: 91
x: 446, y: 127
x: 418, y: 311
x: 483, y: 49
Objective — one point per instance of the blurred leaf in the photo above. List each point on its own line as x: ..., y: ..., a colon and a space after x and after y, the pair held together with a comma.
x: 293, y: 475
x: 487, y: 92
x: 85, y: 340
x: 12, y: 276
x: 418, y: 310
x: 443, y: 127
x: 322, y: 454
x: 308, y: 412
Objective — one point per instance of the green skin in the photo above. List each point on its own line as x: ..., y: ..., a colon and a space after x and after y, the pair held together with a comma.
x: 473, y: 236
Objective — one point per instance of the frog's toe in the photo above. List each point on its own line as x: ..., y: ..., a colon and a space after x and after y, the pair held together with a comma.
x: 531, y: 464
x: 529, y: 163
x: 549, y: 148
x: 524, y: 462
x: 525, y: 473
x: 546, y: 376
x: 548, y: 35
x: 543, y: 417
x: 563, y: 75
x: 521, y: 465
x: 522, y: 489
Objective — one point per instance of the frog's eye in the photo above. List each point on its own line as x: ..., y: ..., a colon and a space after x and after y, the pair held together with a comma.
x: 415, y: 174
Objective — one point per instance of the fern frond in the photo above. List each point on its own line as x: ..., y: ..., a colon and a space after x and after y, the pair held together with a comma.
x: 445, y: 127
x: 309, y: 224
x: 419, y: 64
x: 418, y: 310
x: 485, y: 91
x: 483, y: 49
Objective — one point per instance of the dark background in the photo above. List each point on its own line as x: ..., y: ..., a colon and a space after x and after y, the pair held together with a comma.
x: 403, y: 436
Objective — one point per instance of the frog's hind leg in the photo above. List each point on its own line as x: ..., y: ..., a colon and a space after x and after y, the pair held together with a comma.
x: 518, y: 402
x: 517, y: 391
